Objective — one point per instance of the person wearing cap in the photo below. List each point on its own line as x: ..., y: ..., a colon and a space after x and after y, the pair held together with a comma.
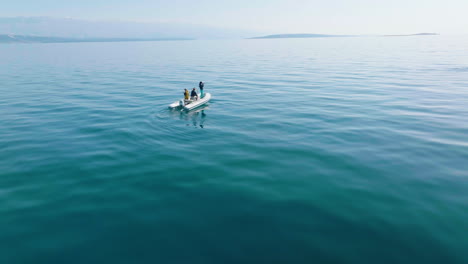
x: 186, y: 94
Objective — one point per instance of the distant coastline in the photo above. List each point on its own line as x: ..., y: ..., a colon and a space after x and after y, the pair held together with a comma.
x: 410, y: 35
x: 301, y: 36
x: 281, y: 36
x: 10, y: 38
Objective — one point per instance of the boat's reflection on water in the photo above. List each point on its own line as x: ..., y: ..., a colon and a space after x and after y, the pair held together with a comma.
x: 195, y: 117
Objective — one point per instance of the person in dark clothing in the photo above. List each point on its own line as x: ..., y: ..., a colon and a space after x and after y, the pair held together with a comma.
x: 193, y: 94
x: 201, y: 85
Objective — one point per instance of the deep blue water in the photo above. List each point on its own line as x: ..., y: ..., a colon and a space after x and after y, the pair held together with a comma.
x: 336, y: 150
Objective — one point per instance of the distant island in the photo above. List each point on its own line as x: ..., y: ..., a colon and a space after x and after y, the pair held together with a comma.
x: 9, y: 38
x: 302, y: 36
x: 409, y: 35
x: 280, y: 36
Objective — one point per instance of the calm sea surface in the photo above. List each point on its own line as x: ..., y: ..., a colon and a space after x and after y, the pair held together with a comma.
x: 338, y: 150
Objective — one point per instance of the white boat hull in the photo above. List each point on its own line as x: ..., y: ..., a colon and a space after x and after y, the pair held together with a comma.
x: 192, y: 104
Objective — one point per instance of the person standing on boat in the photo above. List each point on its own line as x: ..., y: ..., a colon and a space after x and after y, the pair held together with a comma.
x: 194, y: 95
x: 201, y: 85
x: 186, y: 94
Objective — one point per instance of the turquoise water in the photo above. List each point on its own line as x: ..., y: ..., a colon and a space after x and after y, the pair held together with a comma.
x: 338, y: 150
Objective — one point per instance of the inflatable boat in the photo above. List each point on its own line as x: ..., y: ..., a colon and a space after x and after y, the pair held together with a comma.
x: 191, y: 104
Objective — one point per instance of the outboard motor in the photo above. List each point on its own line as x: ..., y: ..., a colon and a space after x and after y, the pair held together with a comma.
x: 181, y: 103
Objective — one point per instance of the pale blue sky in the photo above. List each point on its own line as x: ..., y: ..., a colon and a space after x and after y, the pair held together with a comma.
x: 275, y: 16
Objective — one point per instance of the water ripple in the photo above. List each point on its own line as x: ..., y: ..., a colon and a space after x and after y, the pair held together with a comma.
x: 308, y: 142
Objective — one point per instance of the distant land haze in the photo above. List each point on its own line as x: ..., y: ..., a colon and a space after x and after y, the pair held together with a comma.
x: 10, y: 38
x: 302, y: 36
x: 82, y: 29
x: 332, y: 36
x: 92, y: 29
x: 39, y: 39
x: 54, y: 30
x: 409, y: 35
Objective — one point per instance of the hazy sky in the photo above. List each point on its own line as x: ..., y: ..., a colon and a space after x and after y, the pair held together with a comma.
x: 274, y: 16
